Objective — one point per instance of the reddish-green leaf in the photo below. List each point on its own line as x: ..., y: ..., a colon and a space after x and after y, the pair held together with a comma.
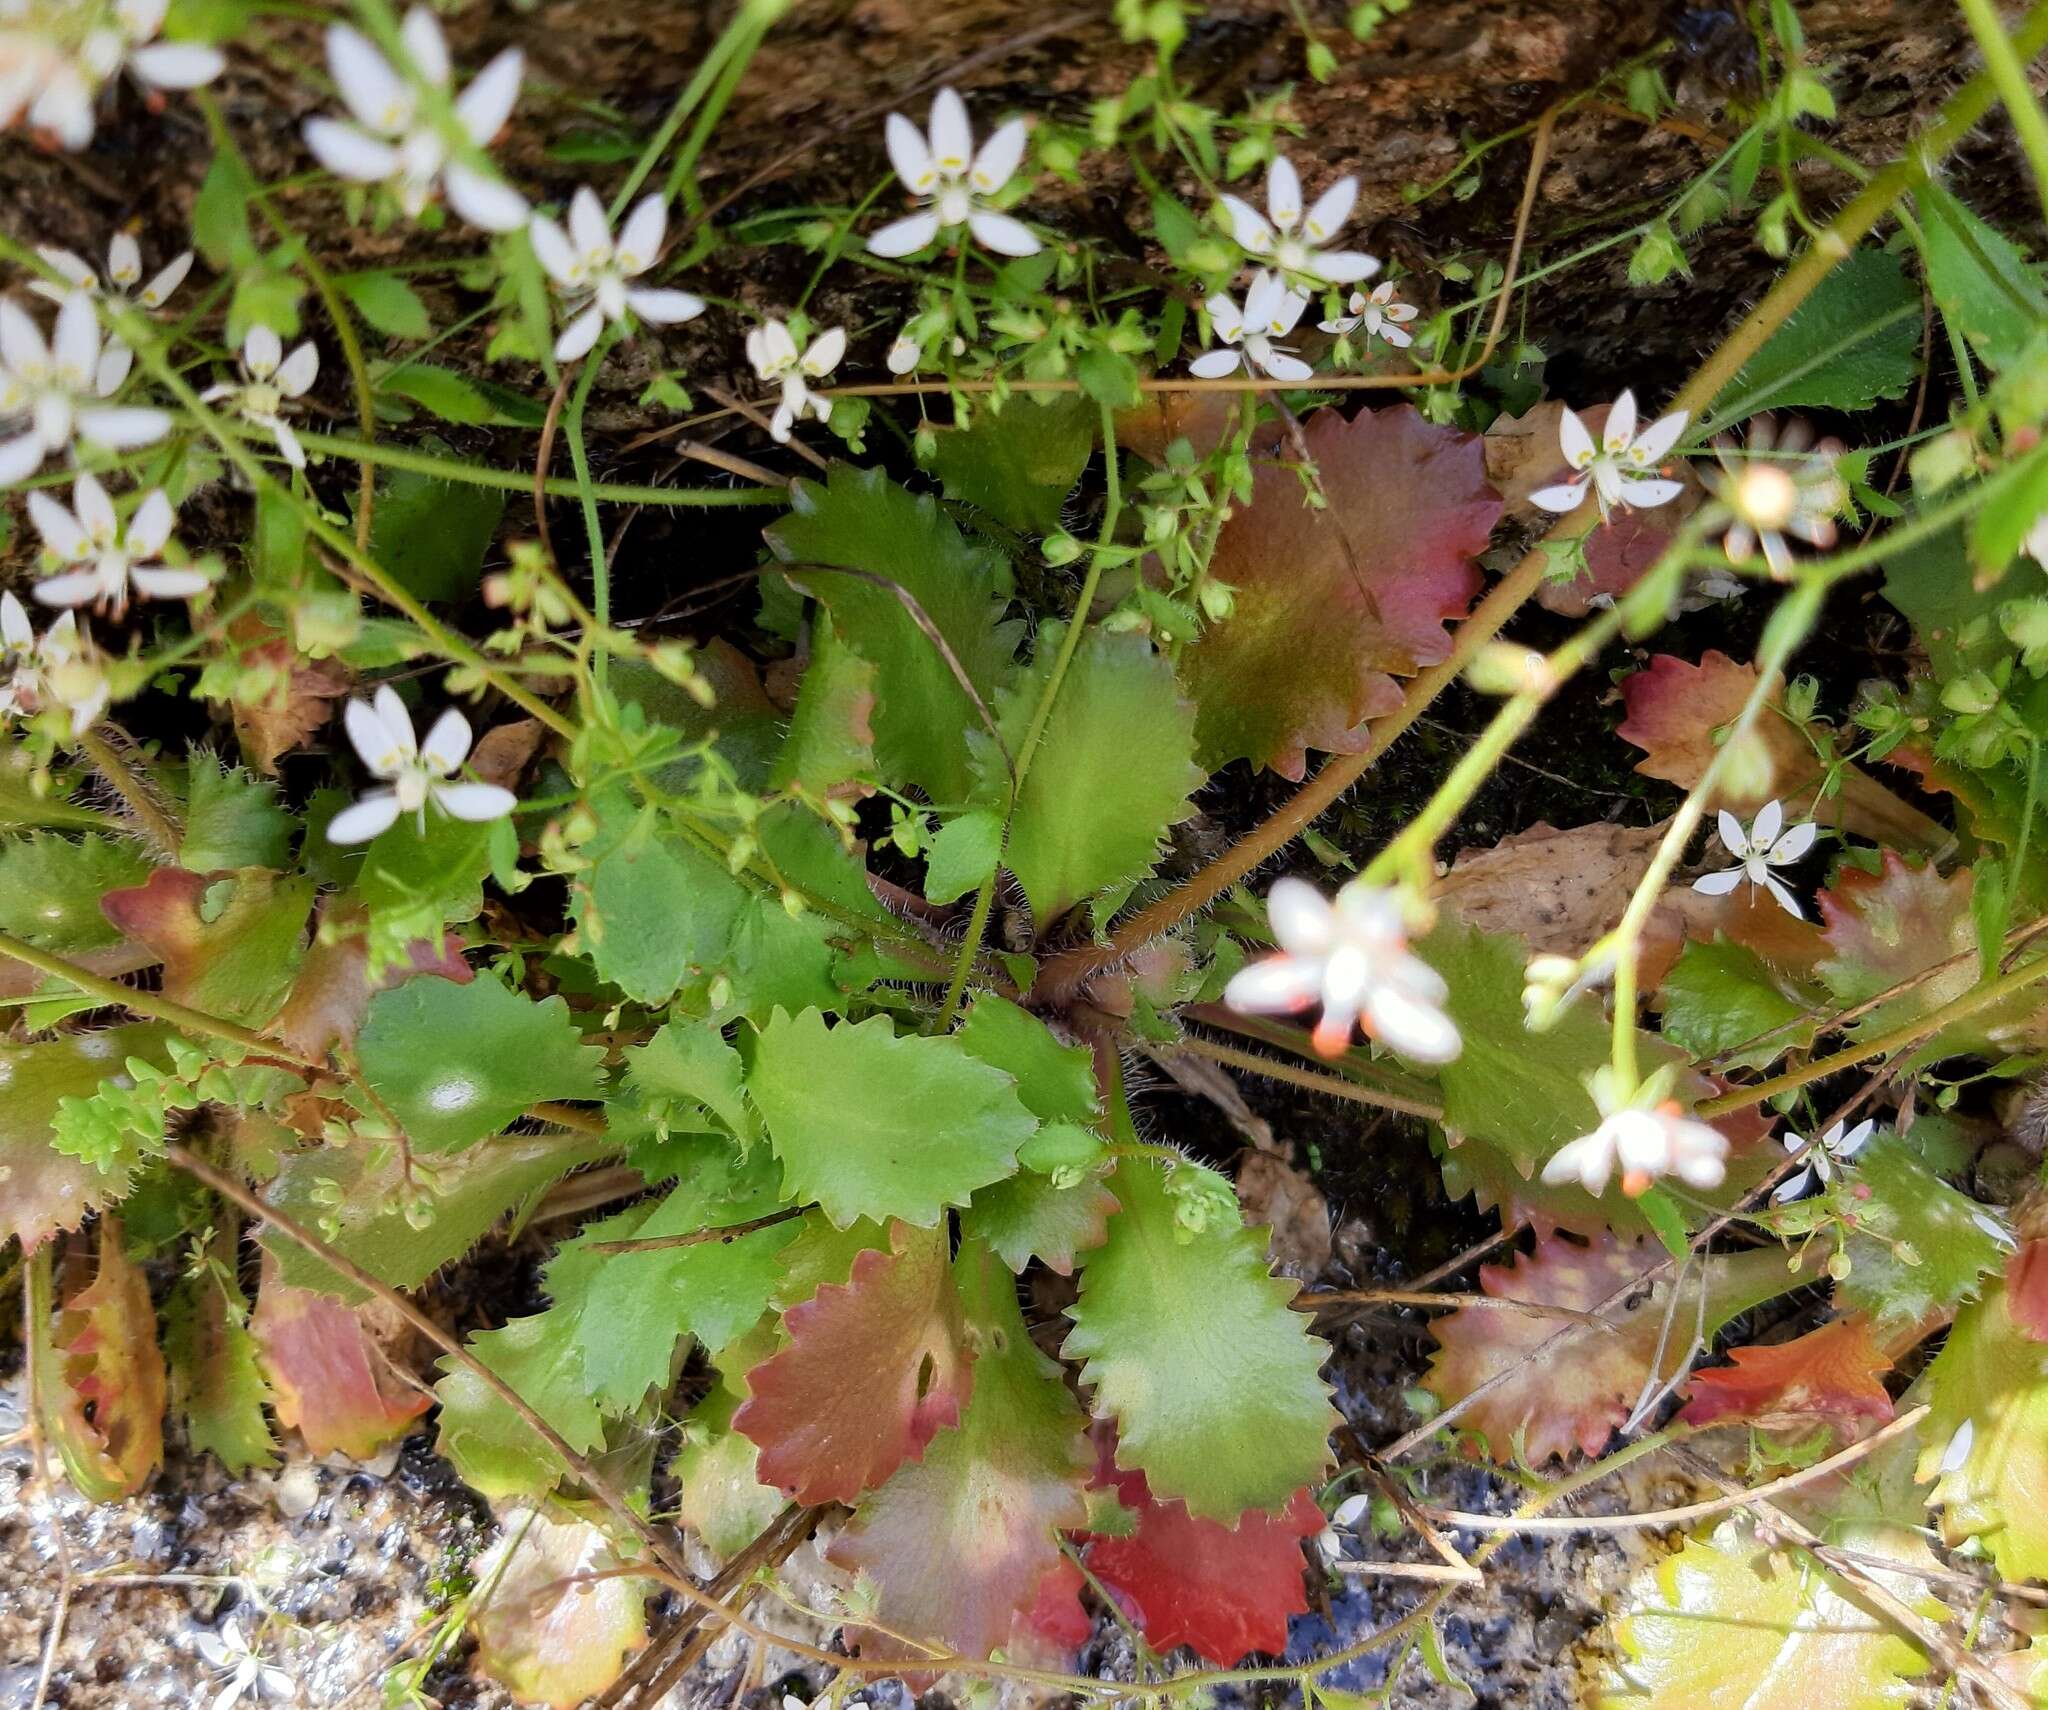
x: 332, y: 993
x: 959, y: 1542
x: 216, y: 1387
x: 105, y: 1409
x: 1992, y: 1376
x: 230, y: 942
x: 1831, y: 1376
x: 1334, y: 604
x: 329, y: 1376
x: 874, y: 1369
x: 1224, y: 1591
x: 553, y: 1631
x: 42, y: 1189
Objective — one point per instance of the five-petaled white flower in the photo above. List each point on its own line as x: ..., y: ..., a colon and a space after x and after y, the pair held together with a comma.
x: 1344, y: 1519
x: 241, y: 1669
x: 1758, y: 850
x: 1290, y: 239
x: 773, y: 352
x: 1379, y: 314
x: 271, y: 384
x: 124, y: 274
x: 940, y: 166
x: 1352, y: 957
x: 58, y: 668
x: 1647, y: 1134
x: 110, y: 561
x: 1781, y: 484
x: 417, y: 772
x: 591, y: 272
x: 400, y: 137
x: 1616, y: 469
x: 1821, y: 1158
x: 57, y: 55
x: 55, y: 386
x: 1270, y: 312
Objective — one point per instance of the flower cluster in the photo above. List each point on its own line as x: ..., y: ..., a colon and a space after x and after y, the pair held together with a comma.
x: 117, y: 291
x: 58, y: 668
x: 98, y: 560
x: 54, y: 388
x: 58, y: 56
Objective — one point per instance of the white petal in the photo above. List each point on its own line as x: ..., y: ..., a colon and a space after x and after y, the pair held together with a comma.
x: 1332, y: 208
x: 824, y: 354
x: 1248, y: 226
x: 1002, y: 234
x: 488, y: 102
x: 1291, y: 369
x: 21, y: 344
x: 75, y: 342
x: 1283, y: 193
x: 298, y: 371
x: 1414, y: 1029
x: 262, y: 351
x: 588, y: 227
x: 905, y: 236
x: 62, y: 532
x: 150, y: 527
x: 374, y: 92
x: 1396, y: 337
x: 910, y: 154
x: 1000, y: 157
x: 1647, y: 495
x: 374, y: 741
x: 73, y: 588
x: 1588, y: 1160
x: 1301, y: 917
x: 665, y: 308
x: 288, y: 445
x: 14, y: 627
x: 177, y: 65
x: 1575, y: 439
x: 639, y: 244
x: 579, y: 335
x: 1225, y: 318
x: 1621, y: 424
x: 447, y: 744
x: 159, y: 290
x: 95, y: 511
x: 159, y: 582
x: 1763, y: 830
x: 1733, y: 838
x: 475, y: 801
x: 781, y: 422
x: 428, y: 47
x: 1342, y: 324
x: 397, y: 722
x: 1342, y: 266
x: 65, y: 109
x: 1792, y: 1187
x: 904, y: 355
x: 952, y: 138
x: 1856, y: 1139
x: 1215, y: 364
x: 553, y: 250
x: 1659, y: 437
x: 489, y: 204
x: 350, y: 152
x: 1718, y: 884
x: 124, y: 259
x: 1793, y: 844
x: 20, y: 458
x: 123, y: 429
x: 1786, y: 900
x: 76, y: 270
x: 1566, y: 496
x: 360, y: 821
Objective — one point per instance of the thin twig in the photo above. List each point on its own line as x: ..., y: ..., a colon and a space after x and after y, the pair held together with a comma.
x: 1319, y: 1299
x: 700, y: 1237
x: 740, y: 408
x: 1331, y: 1086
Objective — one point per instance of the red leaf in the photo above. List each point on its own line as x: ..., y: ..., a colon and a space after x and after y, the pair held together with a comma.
x: 874, y: 1368
x: 333, y: 990
x: 1617, y: 555
x: 1055, y: 1626
x: 1830, y: 1374
x: 1224, y: 1591
x: 230, y: 942
x: 1333, y: 604
x: 2026, y: 1289
x: 330, y: 1377
x: 106, y: 1411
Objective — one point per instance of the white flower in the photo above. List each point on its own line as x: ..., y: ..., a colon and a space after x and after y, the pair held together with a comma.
x: 55, y: 387
x: 417, y: 772
x: 17, y: 658
x: 271, y: 384
x: 1352, y: 957
x: 1344, y: 1518
x: 1289, y: 239
x: 124, y: 273
x: 905, y: 354
x: 941, y: 168
x: 57, y: 55
x: 1617, y: 462
x: 399, y: 138
x: 1648, y: 1135
x: 591, y: 272
x: 1778, y: 487
x: 242, y: 1672
x: 112, y: 560
x: 1270, y: 312
x: 1759, y: 850
x: 59, y: 668
x: 773, y: 352
x: 1822, y: 1157
x: 1379, y: 314
x: 1956, y: 1455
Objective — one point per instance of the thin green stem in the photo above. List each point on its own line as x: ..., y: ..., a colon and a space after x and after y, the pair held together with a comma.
x: 2008, y: 71
x: 593, y: 530
x: 513, y: 481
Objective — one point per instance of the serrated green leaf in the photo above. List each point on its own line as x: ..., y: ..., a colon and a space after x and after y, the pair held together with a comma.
x: 1192, y: 1348
x: 693, y: 1062
x: 495, y: 1450
x: 457, y: 1063
x: 1852, y: 343
x: 963, y: 853
x: 430, y: 534
x: 415, y: 883
x: 465, y: 399
x: 1114, y: 768
x: 1720, y: 996
x: 1018, y: 464
x: 1993, y: 1376
x: 653, y: 910
x: 1055, y: 1081
x: 1952, y: 618
x: 871, y: 1125
x: 216, y: 1387
x: 1985, y: 288
x: 232, y: 818
x: 831, y: 741
x: 50, y: 889
x: 859, y: 520
x: 388, y: 304
x: 1916, y: 1246
x: 48, y: 1190
x: 220, y: 214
